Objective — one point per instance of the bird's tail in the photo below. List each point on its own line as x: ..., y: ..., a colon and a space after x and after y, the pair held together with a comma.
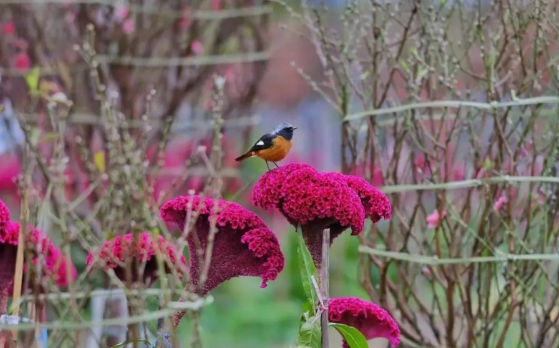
x: 245, y: 156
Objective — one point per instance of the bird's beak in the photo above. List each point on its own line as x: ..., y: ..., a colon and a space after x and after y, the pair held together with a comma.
x: 294, y: 128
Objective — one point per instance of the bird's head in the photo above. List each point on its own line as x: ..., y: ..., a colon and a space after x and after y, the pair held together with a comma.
x: 285, y: 130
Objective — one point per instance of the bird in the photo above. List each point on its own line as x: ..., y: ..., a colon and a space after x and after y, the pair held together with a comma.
x: 273, y: 146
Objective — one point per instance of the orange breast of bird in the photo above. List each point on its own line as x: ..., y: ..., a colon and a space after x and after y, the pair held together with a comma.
x: 277, y: 152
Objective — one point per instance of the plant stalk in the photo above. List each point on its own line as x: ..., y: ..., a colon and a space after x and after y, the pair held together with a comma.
x: 324, y: 286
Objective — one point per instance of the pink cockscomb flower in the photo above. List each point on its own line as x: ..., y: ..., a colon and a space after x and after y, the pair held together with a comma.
x: 435, y: 218
x: 4, y: 218
x: 141, y: 250
x: 501, y: 201
x: 243, y: 244
x: 22, y: 62
x: 121, y: 13
x: 370, y: 319
x: 316, y: 201
x: 46, y: 258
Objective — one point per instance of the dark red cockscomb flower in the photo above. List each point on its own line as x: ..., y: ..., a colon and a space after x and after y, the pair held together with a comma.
x: 370, y: 319
x: 140, y: 249
x: 243, y: 244
x: 316, y: 201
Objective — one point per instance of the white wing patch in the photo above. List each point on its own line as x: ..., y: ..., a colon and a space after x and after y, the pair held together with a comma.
x: 260, y: 143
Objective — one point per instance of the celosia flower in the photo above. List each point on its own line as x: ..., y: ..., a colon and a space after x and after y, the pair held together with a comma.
x: 435, y: 218
x: 140, y: 250
x: 370, y: 319
x: 47, y: 258
x: 500, y: 203
x: 243, y: 244
x: 316, y: 201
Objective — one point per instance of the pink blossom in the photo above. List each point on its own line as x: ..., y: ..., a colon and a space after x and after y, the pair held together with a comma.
x: 458, y: 173
x: 186, y: 20
x: 21, y: 62
x: 140, y: 249
x: 128, y: 26
x: 316, y: 201
x: 197, y: 47
x: 435, y: 219
x: 370, y: 319
x: 8, y: 28
x: 216, y: 5
x: 500, y: 202
x: 122, y: 12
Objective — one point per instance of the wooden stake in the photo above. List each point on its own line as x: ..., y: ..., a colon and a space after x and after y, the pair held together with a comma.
x: 324, y: 286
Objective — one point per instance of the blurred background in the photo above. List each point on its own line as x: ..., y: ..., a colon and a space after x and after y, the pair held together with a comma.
x: 472, y: 177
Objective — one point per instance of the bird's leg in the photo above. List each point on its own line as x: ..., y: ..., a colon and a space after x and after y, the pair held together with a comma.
x: 267, y: 165
x: 276, y: 164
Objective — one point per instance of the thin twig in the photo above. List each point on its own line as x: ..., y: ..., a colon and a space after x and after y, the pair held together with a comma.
x: 325, y: 286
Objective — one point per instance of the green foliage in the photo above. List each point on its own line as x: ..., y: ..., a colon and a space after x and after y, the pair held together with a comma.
x: 309, y: 329
x: 353, y: 337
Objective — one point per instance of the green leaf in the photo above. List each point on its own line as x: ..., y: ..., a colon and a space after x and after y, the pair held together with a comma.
x: 310, y: 333
x: 131, y: 341
x: 352, y: 336
x: 32, y: 79
x: 308, y: 270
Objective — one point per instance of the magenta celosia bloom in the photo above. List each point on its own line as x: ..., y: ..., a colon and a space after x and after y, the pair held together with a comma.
x: 370, y: 319
x: 316, y: 201
x: 140, y: 249
x: 47, y: 259
x: 243, y: 245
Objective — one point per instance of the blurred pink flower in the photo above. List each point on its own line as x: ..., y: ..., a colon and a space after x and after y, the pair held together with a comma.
x: 243, y: 245
x: 129, y: 26
x: 370, y: 319
x: 140, y: 249
x: 122, y: 12
x: 216, y: 5
x: 197, y: 47
x: 500, y: 202
x: 458, y: 173
x: 21, y: 61
x: 316, y: 201
x: 8, y: 28
x: 186, y: 20
x: 435, y: 218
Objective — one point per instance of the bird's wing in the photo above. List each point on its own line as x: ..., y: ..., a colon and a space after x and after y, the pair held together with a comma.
x: 265, y: 142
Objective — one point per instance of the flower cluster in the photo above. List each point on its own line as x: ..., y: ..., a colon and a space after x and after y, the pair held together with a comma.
x: 370, y: 319
x: 316, y: 201
x: 46, y: 257
x: 140, y: 249
x: 243, y: 244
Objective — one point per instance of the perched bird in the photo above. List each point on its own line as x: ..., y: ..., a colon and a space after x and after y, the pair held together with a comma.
x: 273, y: 146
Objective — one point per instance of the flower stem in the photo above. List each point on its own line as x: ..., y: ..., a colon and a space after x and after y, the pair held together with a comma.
x: 324, y: 286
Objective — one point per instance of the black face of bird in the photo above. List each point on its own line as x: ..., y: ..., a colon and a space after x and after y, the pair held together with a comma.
x: 285, y: 130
